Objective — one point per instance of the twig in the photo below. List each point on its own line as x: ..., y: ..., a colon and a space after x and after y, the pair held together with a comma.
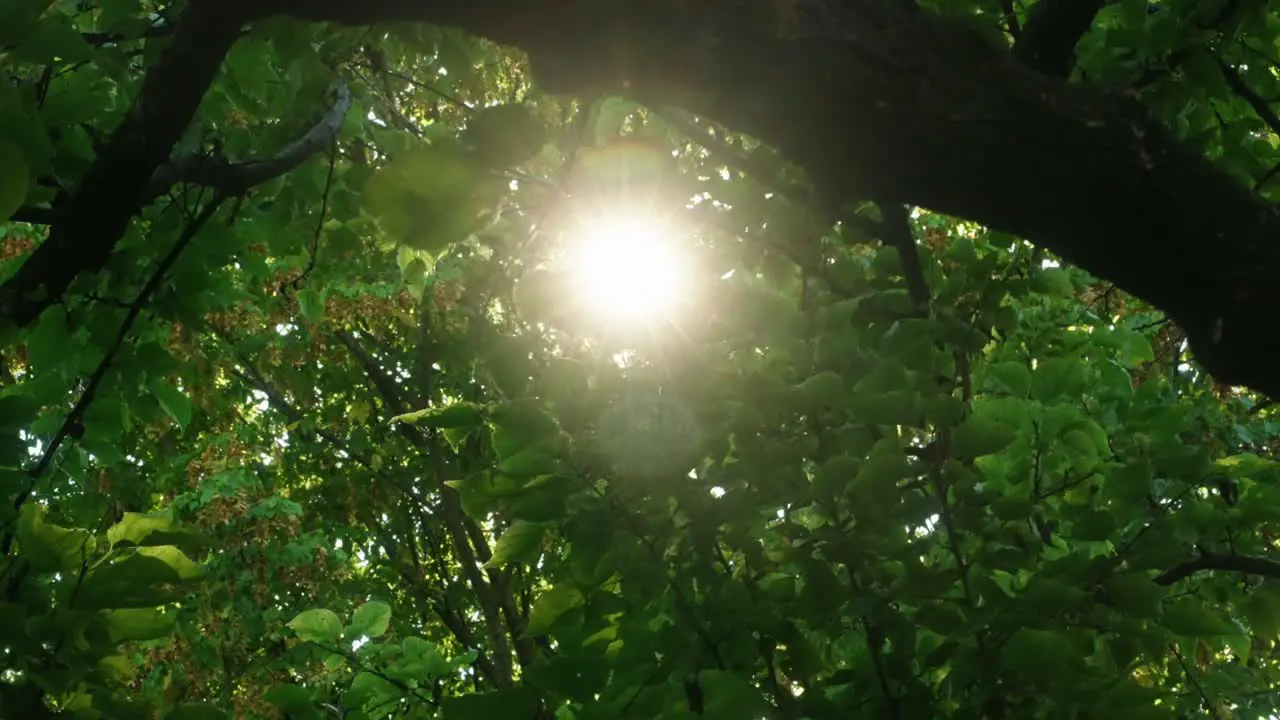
x: 76, y: 415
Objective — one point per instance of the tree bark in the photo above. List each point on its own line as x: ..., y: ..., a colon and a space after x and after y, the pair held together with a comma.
x: 876, y: 98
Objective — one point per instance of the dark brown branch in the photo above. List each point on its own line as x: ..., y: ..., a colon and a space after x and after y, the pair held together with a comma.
x: 1259, y: 105
x: 35, y: 216
x: 722, y: 152
x: 98, y: 212
x: 1010, y: 18
x: 896, y: 233
x: 487, y: 593
x: 921, y: 112
x: 1047, y: 43
x: 1246, y: 564
x: 916, y: 110
x: 226, y: 177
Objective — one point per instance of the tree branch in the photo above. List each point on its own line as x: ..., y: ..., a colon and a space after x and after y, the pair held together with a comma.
x: 1048, y: 42
x: 225, y: 177
x: 873, y: 99
x: 98, y: 212
x: 921, y: 112
x: 1259, y: 105
x: 76, y: 415
x: 236, y: 178
x: 1246, y: 564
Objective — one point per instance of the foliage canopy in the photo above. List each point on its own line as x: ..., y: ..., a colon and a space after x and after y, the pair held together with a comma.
x: 302, y: 414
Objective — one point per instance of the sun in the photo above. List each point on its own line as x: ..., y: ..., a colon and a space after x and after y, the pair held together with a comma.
x: 626, y: 266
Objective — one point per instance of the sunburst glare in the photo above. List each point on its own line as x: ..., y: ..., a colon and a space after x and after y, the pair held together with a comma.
x: 626, y: 266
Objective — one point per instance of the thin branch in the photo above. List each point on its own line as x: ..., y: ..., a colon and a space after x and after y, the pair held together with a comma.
x: 451, y: 510
x: 235, y: 178
x: 97, y: 214
x: 314, y: 249
x: 1241, y: 88
x: 74, y: 418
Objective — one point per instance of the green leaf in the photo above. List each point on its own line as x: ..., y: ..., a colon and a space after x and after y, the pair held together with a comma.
x: 370, y: 619
x: 15, y: 176
x: 945, y: 411
x: 521, y: 543
x: 422, y: 659
x: 17, y: 410
x: 367, y: 688
x: 529, y: 462
x: 1135, y: 594
x: 54, y: 38
x: 1262, y: 610
x: 117, y: 670
x: 294, y: 700
x: 518, y: 425
x: 729, y: 696
x: 139, y: 624
x: 505, y: 135
x: 1135, y: 348
x: 823, y: 389
x: 883, y: 469
x: 1011, y: 377
x: 516, y: 703
x: 1192, y: 618
x: 1094, y: 526
x: 317, y: 625
x: 311, y: 304
x: 146, y: 577
x: 174, y: 402
x: 549, y: 606
x: 1055, y: 281
x: 980, y: 436
x: 1057, y: 378
x: 137, y: 529
x: 900, y: 407
x: 48, y: 547
x: 1036, y: 652
x: 457, y: 415
x: 1244, y: 465
x: 432, y: 196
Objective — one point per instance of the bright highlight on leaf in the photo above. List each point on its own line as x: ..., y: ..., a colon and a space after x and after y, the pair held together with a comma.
x: 627, y: 267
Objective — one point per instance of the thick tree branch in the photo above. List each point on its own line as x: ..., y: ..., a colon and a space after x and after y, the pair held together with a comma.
x: 872, y: 99
x: 98, y: 212
x: 878, y: 99
x: 226, y: 177
x: 1246, y: 564
x: 1048, y: 42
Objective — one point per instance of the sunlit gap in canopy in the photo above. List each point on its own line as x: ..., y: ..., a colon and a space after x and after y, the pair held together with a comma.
x: 625, y: 266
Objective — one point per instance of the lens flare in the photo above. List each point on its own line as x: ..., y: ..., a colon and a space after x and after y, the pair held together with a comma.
x: 627, y: 267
